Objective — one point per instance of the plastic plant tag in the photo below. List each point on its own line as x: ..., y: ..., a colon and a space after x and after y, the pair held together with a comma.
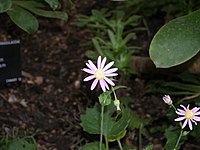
x: 10, y: 62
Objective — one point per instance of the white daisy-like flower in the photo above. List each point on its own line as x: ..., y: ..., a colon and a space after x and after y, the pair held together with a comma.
x: 100, y: 73
x: 189, y: 115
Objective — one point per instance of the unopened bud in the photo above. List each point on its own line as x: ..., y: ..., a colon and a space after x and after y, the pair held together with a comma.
x: 117, y: 104
x: 167, y: 99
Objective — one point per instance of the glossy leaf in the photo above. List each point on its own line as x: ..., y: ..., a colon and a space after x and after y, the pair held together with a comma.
x: 176, y: 42
x: 5, y: 5
x: 24, y: 19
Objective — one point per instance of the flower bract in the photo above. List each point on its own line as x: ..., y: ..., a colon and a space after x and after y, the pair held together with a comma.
x: 189, y: 116
x: 101, y: 73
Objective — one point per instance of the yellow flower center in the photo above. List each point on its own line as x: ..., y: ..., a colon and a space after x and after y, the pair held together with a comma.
x: 189, y: 114
x: 99, y: 74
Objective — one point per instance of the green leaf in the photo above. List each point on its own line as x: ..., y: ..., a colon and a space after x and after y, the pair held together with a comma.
x: 49, y: 14
x: 27, y: 4
x: 118, y: 130
x: 23, y: 19
x: 90, y: 121
x: 149, y: 147
x: 5, y: 5
x: 54, y: 4
x: 92, y: 146
x: 20, y: 144
x: 112, y: 129
x: 105, y: 98
x: 176, y: 42
x: 172, y: 134
x: 135, y: 121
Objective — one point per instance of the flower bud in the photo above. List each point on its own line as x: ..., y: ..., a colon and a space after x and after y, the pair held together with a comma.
x: 117, y: 104
x: 167, y: 99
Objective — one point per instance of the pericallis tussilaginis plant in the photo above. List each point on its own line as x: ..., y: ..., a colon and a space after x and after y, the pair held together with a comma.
x: 176, y: 135
x: 108, y: 118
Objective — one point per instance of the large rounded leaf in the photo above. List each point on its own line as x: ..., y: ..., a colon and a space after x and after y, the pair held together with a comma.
x: 24, y: 19
x: 5, y: 5
x: 177, y: 41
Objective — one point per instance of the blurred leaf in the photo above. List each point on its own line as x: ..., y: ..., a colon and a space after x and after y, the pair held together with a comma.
x: 70, y: 5
x: 27, y: 4
x: 149, y: 147
x: 176, y: 42
x: 135, y: 121
x: 54, y: 4
x: 5, y: 5
x: 23, y: 19
x: 49, y: 14
x: 92, y: 146
x: 38, y: 9
x: 20, y: 144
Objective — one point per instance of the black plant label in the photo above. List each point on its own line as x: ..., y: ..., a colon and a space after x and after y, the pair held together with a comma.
x: 10, y: 62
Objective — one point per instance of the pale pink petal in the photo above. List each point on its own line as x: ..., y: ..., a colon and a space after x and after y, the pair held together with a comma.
x: 111, y: 70
x: 102, y: 84
x: 92, y: 65
x: 181, y: 111
x: 179, y: 119
x: 190, y: 124
x: 94, y: 84
x: 106, y: 85
x: 183, y: 107
x: 109, y: 81
x: 89, y: 78
x: 108, y: 66
x: 196, y: 118
x: 184, y: 124
x: 111, y: 74
x: 197, y: 113
x: 99, y: 62
x: 103, y: 62
x: 88, y: 71
x: 194, y: 122
x: 88, y: 65
x: 195, y: 109
x: 188, y: 107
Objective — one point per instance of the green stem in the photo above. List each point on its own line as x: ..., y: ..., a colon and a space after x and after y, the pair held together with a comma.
x: 106, y: 139
x: 173, y: 107
x: 120, y: 145
x: 101, y: 129
x: 140, y: 136
x: 179, y: 138
x: 114, y: 93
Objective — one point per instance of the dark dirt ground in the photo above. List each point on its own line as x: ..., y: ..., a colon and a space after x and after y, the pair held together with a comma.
x: 52, y: 96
